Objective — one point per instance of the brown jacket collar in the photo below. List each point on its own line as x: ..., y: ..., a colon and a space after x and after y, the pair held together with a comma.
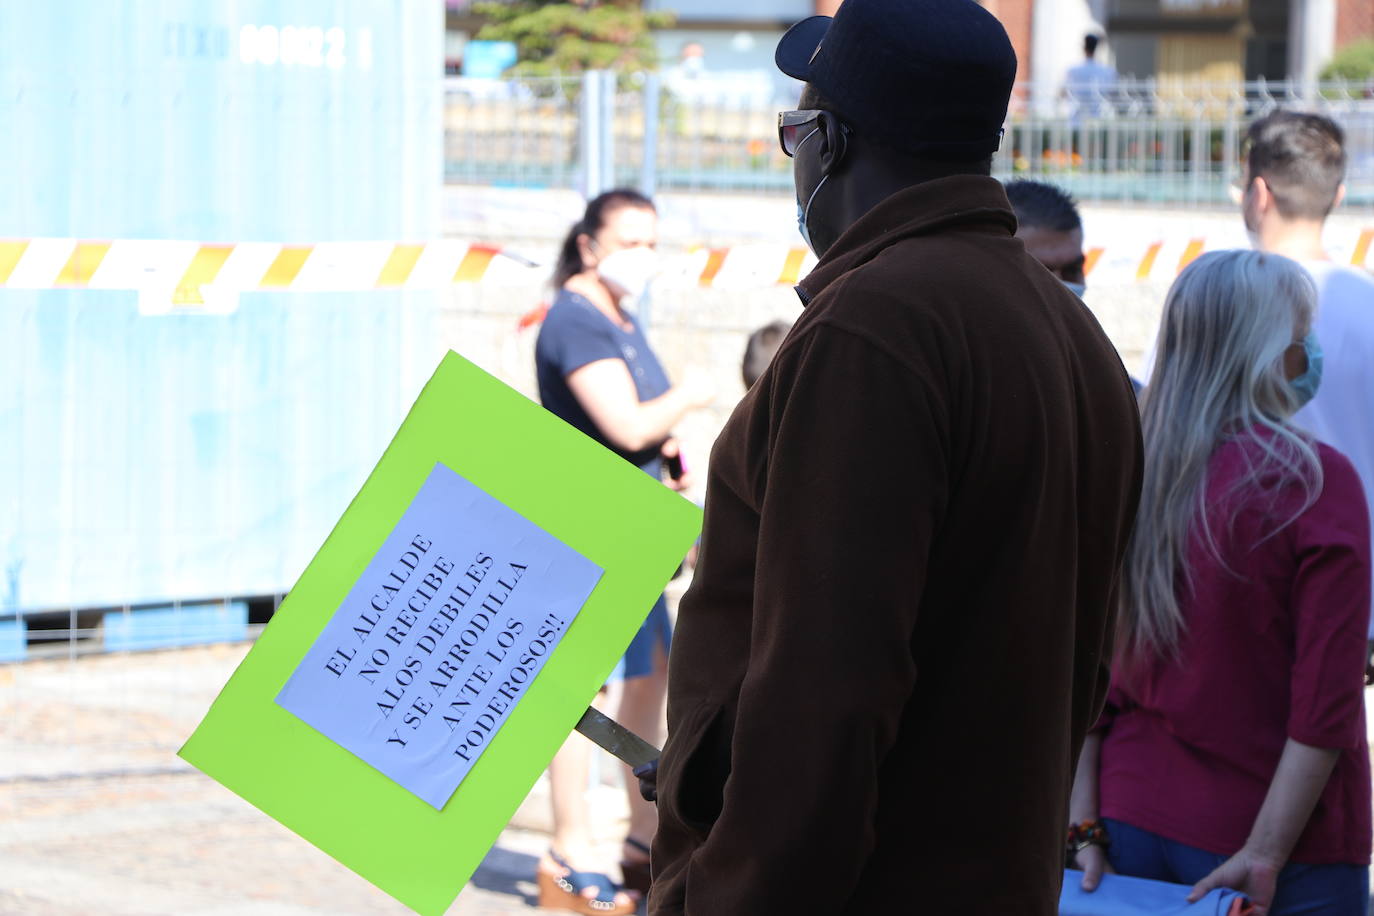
x: 967, y: 201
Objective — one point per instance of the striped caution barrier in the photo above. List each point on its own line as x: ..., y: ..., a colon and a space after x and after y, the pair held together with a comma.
x: 184, y: 275
x: 204, y: 276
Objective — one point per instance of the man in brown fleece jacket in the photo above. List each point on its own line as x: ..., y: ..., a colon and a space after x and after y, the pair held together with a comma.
x: 900, y: 625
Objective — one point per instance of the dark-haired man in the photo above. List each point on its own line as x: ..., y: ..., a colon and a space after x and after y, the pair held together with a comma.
x: 1048, y: 224
x: 759, y: 350
x: 1294, y: 177
x: 898, y: 633
x: 1090, y: 83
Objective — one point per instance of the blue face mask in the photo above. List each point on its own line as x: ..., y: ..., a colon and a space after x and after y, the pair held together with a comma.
x: 1078, y: 289
x: 803, y: 212
x: 1306, y: 385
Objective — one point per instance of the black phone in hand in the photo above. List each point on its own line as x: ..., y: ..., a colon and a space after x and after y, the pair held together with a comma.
x: 674, y: 465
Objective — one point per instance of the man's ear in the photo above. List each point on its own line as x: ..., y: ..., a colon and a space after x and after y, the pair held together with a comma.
x: 833, y: 143
x: 1263, y: 196
x: 1340, y: 195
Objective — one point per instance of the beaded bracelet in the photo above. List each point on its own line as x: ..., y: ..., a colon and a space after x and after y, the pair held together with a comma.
x: 1088, y: 833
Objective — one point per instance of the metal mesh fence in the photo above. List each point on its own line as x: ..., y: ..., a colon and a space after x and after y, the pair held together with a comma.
x: 1145, y: 142
x: 522, y: 133
x: 1162, y: 143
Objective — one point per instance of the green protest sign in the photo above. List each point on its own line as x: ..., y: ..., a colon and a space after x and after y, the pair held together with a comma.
x: 445, y: 639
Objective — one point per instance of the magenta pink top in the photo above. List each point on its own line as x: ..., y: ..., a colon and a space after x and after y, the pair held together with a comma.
x: 1274, y: 649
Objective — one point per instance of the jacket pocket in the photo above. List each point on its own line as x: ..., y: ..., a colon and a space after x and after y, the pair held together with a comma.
x: 696, y: 765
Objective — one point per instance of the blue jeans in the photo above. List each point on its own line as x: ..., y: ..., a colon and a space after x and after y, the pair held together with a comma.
x: 1303, y: 890
x: 655, y: 631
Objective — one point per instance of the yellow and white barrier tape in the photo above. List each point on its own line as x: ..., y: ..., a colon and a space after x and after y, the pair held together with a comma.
x: 202, y: 276
x: 192, y: 274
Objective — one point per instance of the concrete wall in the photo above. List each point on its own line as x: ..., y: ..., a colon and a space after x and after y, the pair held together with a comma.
x: 708, y: 328
x: 694, y: 327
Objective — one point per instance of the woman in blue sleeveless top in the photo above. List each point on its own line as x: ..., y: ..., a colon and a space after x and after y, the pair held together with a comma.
x: 597, y: 371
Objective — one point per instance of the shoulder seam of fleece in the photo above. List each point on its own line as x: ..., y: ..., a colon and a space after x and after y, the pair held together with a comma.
x: 876, y: 343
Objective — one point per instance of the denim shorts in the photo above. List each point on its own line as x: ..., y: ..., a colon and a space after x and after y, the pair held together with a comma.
x: 656, y: 630
x: 1303, y: 890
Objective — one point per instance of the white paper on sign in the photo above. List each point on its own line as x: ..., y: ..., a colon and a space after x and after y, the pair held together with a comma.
x: 440, y: 637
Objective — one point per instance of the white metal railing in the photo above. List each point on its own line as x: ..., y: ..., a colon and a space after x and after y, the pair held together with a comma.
x: 1145, y: 141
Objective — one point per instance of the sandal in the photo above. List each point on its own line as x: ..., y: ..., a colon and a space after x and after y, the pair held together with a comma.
x: 636, y: 875
x: 562, y: 889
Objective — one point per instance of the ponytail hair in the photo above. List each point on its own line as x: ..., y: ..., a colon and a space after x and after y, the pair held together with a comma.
x: 599, y: 209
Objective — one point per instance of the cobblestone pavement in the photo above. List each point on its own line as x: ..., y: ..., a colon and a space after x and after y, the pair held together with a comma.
x: 98, y: 815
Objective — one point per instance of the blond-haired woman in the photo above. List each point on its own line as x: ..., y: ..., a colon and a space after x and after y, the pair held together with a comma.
x: 1233, y: 751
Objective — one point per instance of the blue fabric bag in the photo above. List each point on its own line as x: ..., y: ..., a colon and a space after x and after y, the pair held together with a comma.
x: 1119, y: 895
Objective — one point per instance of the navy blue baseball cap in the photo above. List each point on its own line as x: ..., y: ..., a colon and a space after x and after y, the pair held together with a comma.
x: 929, y: 77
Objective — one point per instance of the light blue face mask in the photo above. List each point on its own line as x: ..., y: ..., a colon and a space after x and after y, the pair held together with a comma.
x: 803, y: 212
x: 1078, y: 289
x: 1306, y: 385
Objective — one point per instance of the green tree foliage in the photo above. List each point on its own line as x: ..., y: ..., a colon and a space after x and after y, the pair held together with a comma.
x: 567, y: 38
x: 1354, y: 62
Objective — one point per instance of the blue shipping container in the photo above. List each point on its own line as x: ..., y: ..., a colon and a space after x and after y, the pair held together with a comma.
x: 148, y: 459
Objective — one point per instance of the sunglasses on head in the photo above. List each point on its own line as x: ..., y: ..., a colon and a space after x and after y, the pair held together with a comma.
x: 792, y: 128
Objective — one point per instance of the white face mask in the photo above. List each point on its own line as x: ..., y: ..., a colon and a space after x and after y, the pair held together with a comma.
x: 629, y: 271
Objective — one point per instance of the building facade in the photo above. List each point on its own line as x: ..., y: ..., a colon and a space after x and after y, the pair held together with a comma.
x: 1175, y: 41
x: 1192, y: 41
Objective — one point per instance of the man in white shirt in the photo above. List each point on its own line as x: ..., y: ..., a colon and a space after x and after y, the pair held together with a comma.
x: 1090, y: 85
x: 1294, y: 174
